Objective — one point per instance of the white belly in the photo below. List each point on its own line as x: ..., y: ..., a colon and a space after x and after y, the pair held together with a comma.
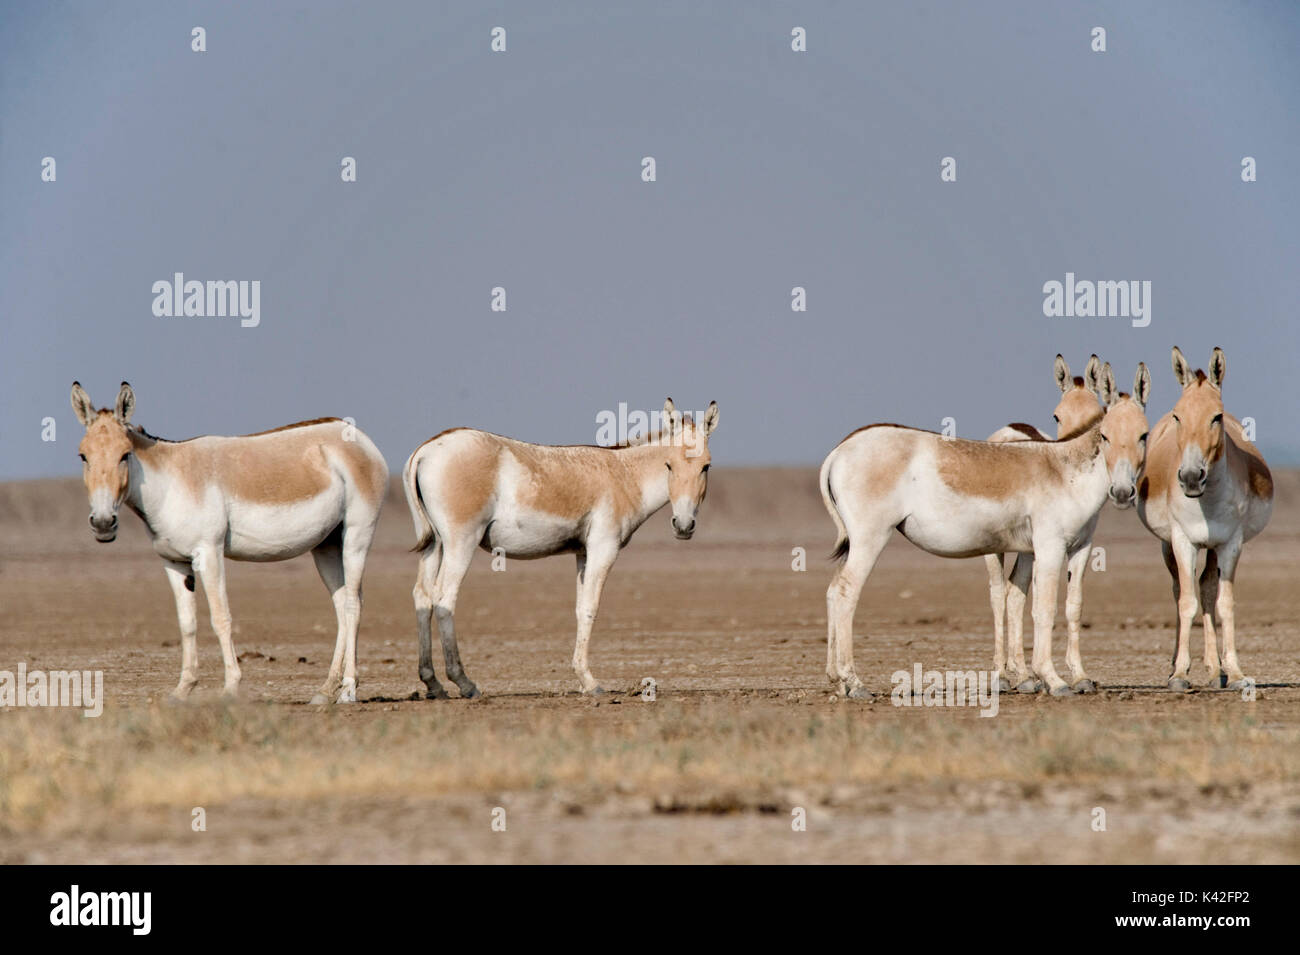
x: 955, y: 537
x: 264, y: 532
x: 954, y: 525
x: 525, y: 534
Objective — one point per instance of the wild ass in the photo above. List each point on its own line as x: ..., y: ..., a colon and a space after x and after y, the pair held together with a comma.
x: 313, y: 486
x: 957, y: 498
x: 469, y: 489
x: 1077, y: 409
x: 1206, y: 488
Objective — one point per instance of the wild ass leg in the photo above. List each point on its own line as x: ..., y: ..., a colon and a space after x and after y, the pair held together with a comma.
x: 425, y: 579
x: 593, y: 568
x: 181, y: 578
x: 1184, y: 552
x: 209, y: 564
x: 1022, y: 572
x: 1167, y: 553
x: 1076, y: 566
x: 841, y: 605
x: 456, y: 557
x: 356, y: 546
x: 1229, y: 554
x: 329, y: 564
x: 998, y: 602
x: 1047, y: 574
x: 1209, y: 615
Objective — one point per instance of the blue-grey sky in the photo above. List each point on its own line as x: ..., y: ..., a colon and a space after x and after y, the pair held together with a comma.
x: 522, y: 169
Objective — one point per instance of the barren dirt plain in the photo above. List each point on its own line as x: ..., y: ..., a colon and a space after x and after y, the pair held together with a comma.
x: 742, y: 742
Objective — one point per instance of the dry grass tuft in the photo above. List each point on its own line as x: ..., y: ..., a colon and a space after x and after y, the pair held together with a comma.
x: 57, y: 768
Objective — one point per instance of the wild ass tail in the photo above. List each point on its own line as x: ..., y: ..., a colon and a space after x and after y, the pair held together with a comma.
x: 424, y: 534
x: 828, y: 498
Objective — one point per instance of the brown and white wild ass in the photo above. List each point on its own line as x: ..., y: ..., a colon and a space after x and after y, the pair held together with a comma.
x: 469, y: 489
x: 1206, y: 488
x: 1077, y: 409
x: 957, y: 498
x: 314, y: 486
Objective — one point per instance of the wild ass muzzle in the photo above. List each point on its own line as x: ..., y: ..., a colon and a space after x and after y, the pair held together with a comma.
x: 957, y: 498
x: 313, y: 486
x: 1207, y: 488
x: 469, y: 489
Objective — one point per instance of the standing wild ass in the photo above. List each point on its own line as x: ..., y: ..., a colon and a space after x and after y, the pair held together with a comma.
x: 957, y: 498
x: 314, y: 486
x: 1206, y: 488
x: 469, y: 489
x: 1077, y: 409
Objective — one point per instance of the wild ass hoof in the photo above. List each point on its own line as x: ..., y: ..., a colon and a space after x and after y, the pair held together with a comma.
x: 1179, y: 684
x: 436, y: 693
x: 1218, y: 681
x: 1085, y: 686
x: 1004, y: 685
x: 1063, y: 690
x: 230, y: 694
x: 1029, y: 685
x: 319, y: 699
x: 469, y: 692
x: 594, y: 691
x: 1243, y: 683
x: 860, y: 693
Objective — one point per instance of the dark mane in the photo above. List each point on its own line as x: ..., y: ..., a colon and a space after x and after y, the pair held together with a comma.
x: 136, y: 429
x: 1082, y: 429
x: 1028, y: 430
x: 290, y: 427
x: 139, y: 430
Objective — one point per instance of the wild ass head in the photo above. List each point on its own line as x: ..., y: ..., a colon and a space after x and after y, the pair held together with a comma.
x: 688, y: 463
x: 1124, y: 433
x: 105, y: 454
x: 1198, y: 420
x: 1078, y: 407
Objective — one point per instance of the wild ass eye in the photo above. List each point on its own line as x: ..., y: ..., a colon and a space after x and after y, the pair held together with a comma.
x: 1056, y: 418
x: 705, y: 469
x: 82, y: 456
x: 124, y: 457
x: 1217, y: 419
x: 1177, y: 420
x: 668, y: 466
x: 1143, y: 439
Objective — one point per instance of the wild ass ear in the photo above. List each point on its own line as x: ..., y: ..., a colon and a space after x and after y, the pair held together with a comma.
x: 669, y: 420
x: 82, y: 405
x: 1218, y: 368
x: 125, y: 404
x: 1182, y: 370
x: 1092, y: 375
x: 1109, y: 394
x: 1062, y: 372
x: 1142, y: 385
x: 711, y: 419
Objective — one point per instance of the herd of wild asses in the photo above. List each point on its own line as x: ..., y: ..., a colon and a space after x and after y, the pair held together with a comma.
x: 1197, y: 482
